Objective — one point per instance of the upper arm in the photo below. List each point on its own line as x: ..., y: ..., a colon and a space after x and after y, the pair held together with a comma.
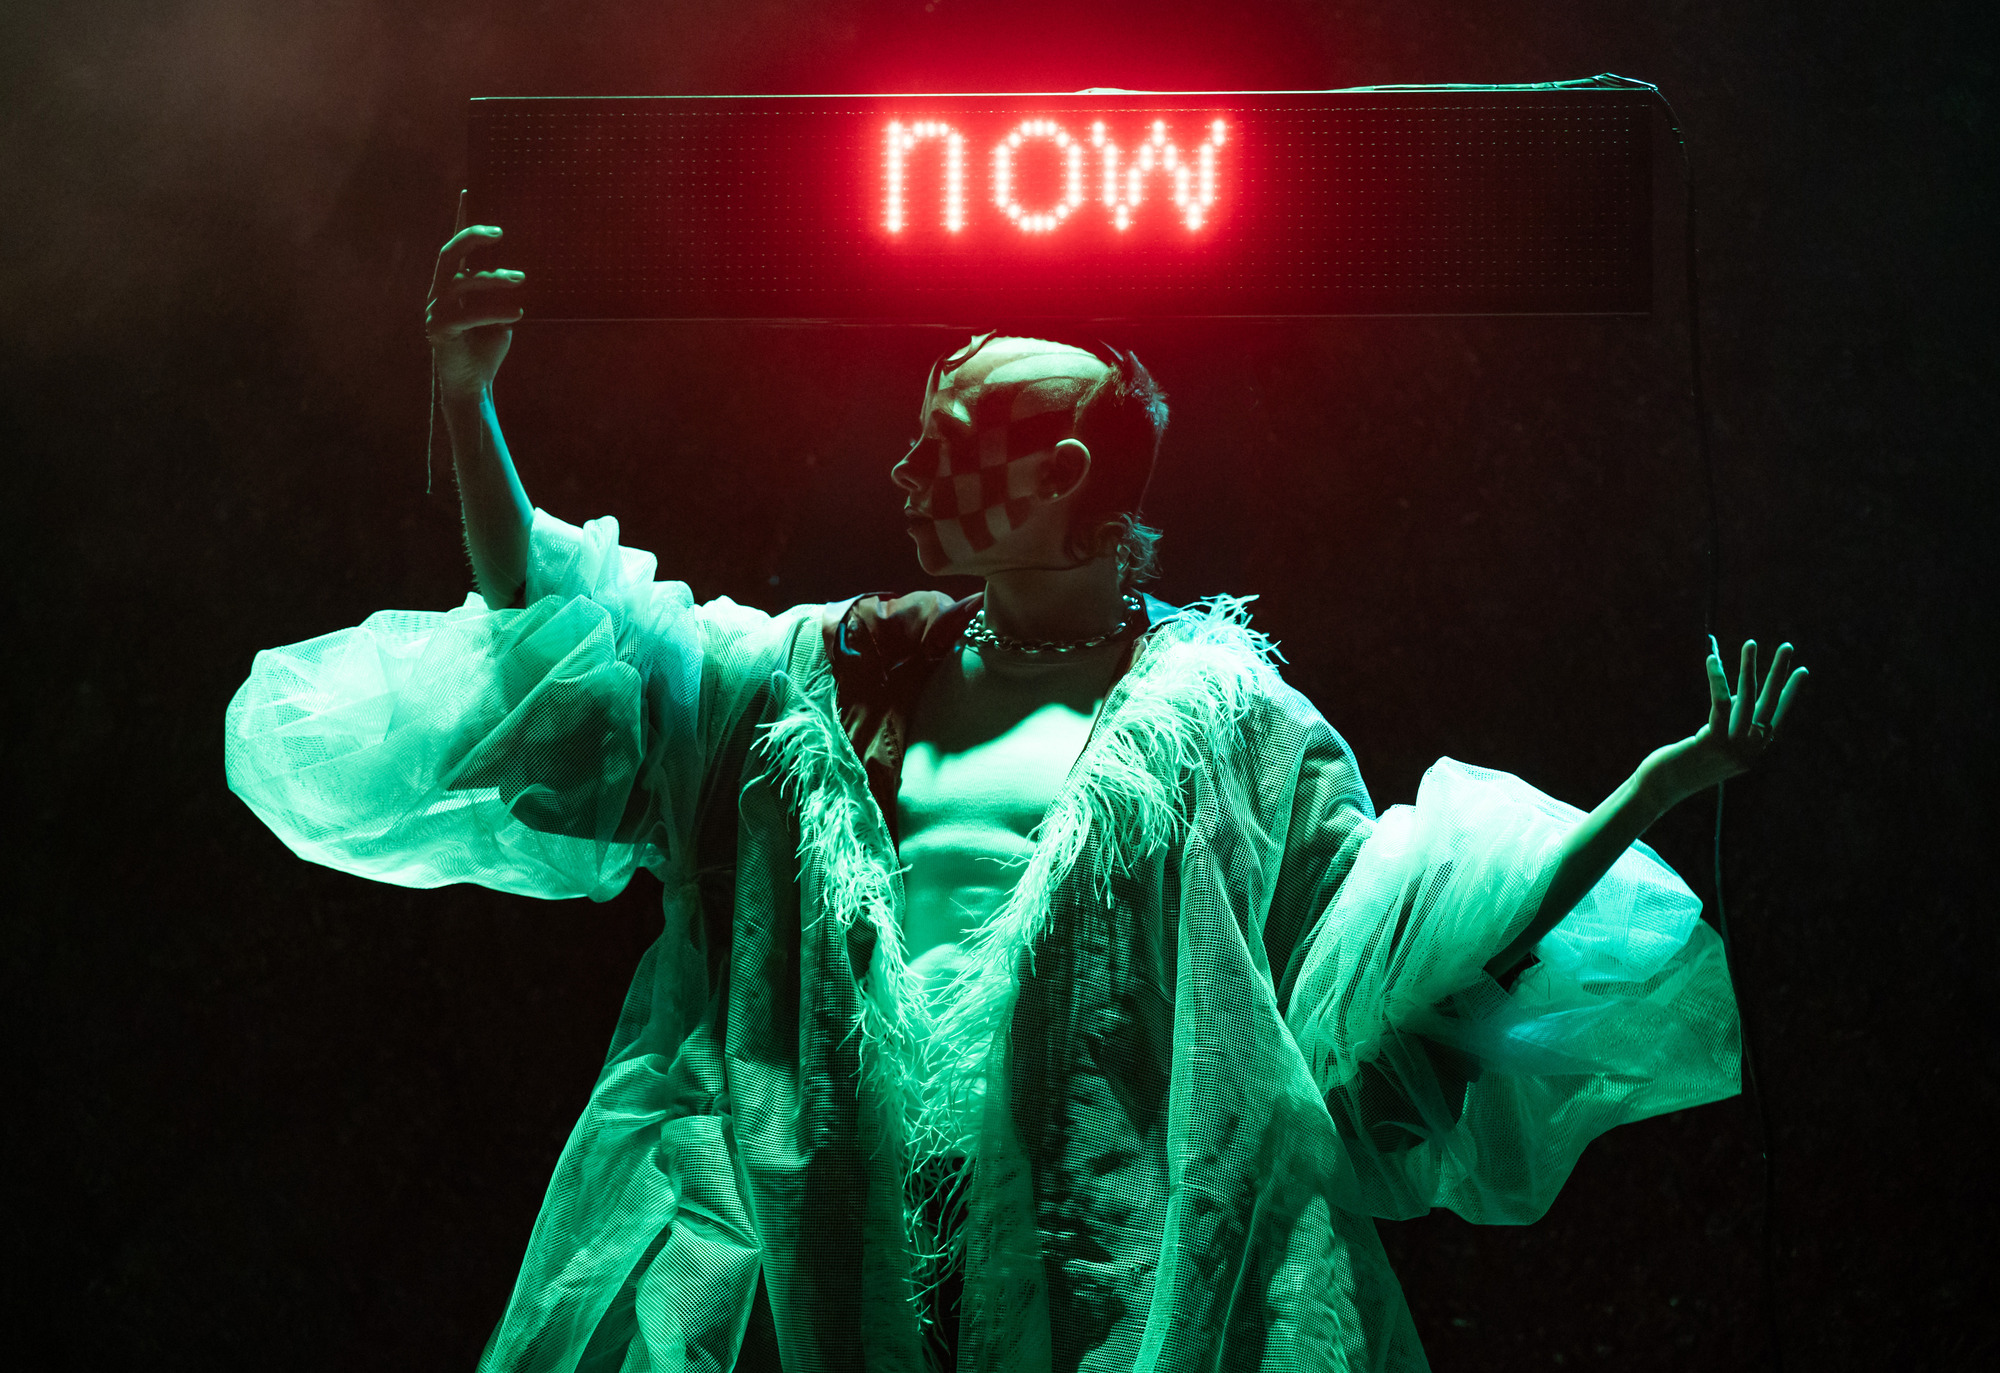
x: 698, y: 669
x: 1330, y: 817
x: 546, y: 751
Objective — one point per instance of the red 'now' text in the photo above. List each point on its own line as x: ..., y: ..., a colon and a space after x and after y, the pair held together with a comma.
x: 1096, y: 168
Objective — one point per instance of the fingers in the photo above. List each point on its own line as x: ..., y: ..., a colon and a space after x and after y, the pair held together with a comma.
x: 1748, y: 719
x: 452, y: 298
x: 1718, y: 687
x: 467, y: 302
x: 457, y: 318
x: 1793, y: 685
x: 1746, y: 683
x: 451, y: 257
x: 462, y: 323
x: 502, y: 279
x: 453, y: 277
x: 1767, y: 699
x: 450, y: 312
x: 464, y: 299
x: 473, y: 236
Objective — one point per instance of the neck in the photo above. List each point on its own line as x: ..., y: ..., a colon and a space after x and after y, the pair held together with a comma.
x: 1055, y: 603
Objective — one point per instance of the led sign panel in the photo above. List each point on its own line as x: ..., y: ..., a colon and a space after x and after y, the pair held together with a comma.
x: 964, y: 209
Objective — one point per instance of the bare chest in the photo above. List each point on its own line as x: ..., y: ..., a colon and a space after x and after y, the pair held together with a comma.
x: 992, y: 742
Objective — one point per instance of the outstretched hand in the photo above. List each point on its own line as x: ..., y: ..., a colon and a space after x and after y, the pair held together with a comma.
x: 1742, y: 724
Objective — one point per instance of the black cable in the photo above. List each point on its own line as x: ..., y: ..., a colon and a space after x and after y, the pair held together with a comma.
x: 1706, y: 455
x: 1709, y: 608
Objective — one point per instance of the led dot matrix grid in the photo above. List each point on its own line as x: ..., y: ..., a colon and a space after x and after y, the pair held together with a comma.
x: 960, y: 208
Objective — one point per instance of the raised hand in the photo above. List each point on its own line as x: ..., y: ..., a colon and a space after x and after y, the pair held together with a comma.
x: 1742, y: 722
x: 469, y: 328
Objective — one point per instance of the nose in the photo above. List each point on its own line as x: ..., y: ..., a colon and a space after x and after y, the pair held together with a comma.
x: 905, y: 480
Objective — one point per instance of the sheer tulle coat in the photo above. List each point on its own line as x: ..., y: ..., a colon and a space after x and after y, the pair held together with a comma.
x: 1228, y: 1017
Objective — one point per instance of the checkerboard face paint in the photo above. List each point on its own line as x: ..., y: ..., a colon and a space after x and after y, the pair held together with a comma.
x: 992, y: 412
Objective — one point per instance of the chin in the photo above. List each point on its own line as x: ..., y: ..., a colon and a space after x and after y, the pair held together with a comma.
x: 932, y: 557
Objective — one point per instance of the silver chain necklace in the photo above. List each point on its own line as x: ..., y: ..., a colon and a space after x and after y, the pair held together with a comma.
x: 980, y: 634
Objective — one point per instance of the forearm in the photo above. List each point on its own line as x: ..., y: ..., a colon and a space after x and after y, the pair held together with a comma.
x: 1591, y: 848
x: 498, y: 516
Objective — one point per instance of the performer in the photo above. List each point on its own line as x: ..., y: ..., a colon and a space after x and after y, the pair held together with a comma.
x: 1039, y: 988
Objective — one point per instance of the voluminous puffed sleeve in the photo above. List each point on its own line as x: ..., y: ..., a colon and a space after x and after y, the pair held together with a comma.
x: 1449, y: 1090
x: 548, y: 751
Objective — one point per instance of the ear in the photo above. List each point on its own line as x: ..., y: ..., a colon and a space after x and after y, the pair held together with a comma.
x: 1063, y: 471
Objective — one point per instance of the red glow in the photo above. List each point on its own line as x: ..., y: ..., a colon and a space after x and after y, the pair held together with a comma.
x: 1095, y: 204
x: 902, y: 138
x: 1193, y: 180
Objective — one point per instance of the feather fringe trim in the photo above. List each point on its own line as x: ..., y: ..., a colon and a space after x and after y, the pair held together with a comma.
x: 925, y: 1057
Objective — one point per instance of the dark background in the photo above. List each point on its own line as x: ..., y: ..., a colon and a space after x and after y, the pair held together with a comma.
x: 264, y: 1115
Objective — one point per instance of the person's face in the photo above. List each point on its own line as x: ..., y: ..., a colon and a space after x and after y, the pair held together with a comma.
x: 986, y: 481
